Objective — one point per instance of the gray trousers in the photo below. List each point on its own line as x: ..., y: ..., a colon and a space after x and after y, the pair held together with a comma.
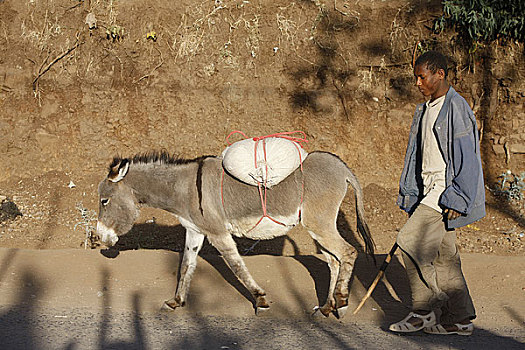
x: 433, y: 267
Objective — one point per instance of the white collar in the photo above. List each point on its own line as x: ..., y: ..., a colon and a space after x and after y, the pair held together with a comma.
x: 436, y: 101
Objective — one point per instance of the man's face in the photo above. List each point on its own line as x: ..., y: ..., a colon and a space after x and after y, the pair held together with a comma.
x: 427, y: 82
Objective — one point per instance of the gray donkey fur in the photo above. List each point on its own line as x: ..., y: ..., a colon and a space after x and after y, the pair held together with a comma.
x: 191, y: 190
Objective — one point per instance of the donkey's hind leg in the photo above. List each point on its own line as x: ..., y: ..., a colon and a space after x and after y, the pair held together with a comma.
x: 341, y: 257
x: 193, y: 245
x: 333, y: 265
x: 343, y: 279
x: 225, y: 244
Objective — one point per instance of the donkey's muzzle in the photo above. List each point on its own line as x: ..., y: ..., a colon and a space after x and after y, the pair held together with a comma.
x: 107, y: 235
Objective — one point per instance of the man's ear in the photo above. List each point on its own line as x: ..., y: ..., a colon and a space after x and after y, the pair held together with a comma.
x: 118, y: 171
x: 441, y: 73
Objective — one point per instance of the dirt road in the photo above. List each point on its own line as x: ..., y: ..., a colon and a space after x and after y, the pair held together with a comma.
x: 82, y: 299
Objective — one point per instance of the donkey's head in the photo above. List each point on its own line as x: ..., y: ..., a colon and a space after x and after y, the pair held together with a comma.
x: 118, y: 206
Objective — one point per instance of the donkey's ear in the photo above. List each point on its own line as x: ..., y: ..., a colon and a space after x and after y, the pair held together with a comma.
x: 118, y: 171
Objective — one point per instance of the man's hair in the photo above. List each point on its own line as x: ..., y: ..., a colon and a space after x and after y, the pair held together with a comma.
x: 434, y: 61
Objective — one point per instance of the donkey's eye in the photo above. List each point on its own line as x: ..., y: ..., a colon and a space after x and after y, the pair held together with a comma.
x: 104, y: 201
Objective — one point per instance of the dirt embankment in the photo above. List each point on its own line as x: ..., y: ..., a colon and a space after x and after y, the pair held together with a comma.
x: 181, y: 75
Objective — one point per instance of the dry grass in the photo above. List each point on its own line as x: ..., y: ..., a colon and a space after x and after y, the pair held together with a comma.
x: 40, y: 32
x: 287, y: 28
x: 87, y: 221
x: 367, y: 79
x: 406, y: 31
x: 252, y: 40
x: 224, y: 30
x: 398, y: 33
x: 190, y: 36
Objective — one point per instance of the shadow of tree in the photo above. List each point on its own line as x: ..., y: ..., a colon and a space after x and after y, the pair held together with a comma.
x: 514, y: 315
x: 392, y: 293
x: 316, y: 81
x: 6, y: 262
x: 486, y: 119
x: 25, y: 325
x: 320, y: 273
x: 220, y: 265
x: 152, y: 236
x: 138, y: 342
x: 16, y: 331
x: 401, y: 85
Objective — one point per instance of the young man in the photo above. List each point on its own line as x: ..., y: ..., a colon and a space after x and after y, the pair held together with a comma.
x: 441, y: 188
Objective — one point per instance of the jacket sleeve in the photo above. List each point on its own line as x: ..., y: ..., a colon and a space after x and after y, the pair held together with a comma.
x: 461, y: 193
x: 408, y: 189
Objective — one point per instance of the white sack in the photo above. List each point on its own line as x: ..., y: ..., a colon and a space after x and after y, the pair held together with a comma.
x: 283, y: 156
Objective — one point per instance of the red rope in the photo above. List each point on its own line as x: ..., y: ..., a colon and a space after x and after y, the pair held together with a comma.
x: 285, y: 135
x: 262, y: 187
x: 222, y: 186
x: 234, y: 132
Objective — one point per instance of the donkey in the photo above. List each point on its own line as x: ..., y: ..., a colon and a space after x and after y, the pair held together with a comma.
x: 210, y: 203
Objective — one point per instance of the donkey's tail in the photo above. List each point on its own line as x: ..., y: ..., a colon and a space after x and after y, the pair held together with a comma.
x: 362, y: 227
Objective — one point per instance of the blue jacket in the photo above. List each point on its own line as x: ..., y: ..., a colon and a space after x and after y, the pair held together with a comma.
x: 458, y: 140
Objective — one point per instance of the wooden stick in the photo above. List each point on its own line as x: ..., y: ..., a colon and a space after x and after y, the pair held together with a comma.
x: 378, y: 277
x: 414, y: 54
x: 58, y: 58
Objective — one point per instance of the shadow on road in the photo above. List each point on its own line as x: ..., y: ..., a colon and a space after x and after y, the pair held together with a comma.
x: 6, y: 262
x: 105, y: 329
x: 17, y: 329
x: 392, y: 293
x: 27, y: 325
x: 152, y: 236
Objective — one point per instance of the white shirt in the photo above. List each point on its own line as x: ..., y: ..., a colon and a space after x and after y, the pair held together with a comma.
x: 433, y: 165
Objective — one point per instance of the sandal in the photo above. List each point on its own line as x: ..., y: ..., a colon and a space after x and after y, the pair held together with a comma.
x: 462, y: 329
x: 404, y: 326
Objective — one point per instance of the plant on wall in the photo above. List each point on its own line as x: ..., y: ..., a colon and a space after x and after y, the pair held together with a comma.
x: 482, y: 21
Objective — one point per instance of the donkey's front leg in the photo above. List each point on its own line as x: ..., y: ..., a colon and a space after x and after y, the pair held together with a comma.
x: 225, y: 244
x: 194, y: 240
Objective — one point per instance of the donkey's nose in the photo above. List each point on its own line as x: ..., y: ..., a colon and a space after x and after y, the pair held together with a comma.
x: 107, y: 235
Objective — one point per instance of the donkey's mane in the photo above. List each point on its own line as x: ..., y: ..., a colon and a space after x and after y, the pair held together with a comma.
x: 159, y: 157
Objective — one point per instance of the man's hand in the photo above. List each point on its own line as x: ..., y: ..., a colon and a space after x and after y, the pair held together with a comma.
x: 451, y: 214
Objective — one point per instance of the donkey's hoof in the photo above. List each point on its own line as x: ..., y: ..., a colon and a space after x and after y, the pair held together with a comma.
x: 170, y: 305
x: 341, y: 312
x: 261, y: 310
x: 318, y: 312
x: 166, y: 307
